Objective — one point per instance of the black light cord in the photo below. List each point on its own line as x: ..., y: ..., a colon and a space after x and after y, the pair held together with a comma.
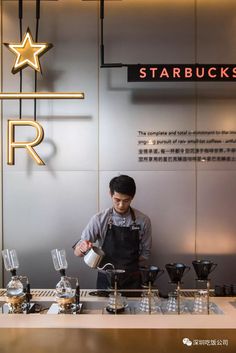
x: 36, y: 39
x: 102, y: 50
x: 20, y: 15
x: 101, y: 31
x: 20, y: 11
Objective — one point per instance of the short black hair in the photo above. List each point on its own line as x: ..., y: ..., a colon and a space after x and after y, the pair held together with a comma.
x: 123, y: 184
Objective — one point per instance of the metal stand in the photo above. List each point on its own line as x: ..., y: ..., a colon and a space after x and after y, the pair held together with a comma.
x: 115, y: 294
x: 149, y: 297
x: 178, y: 297
x: 178, y: 290
x: 25, y: 309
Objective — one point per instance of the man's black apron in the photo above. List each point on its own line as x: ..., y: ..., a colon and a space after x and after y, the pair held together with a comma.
x: 121, y: 248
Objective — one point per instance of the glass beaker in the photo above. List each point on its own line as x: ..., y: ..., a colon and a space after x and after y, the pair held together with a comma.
x: 10, y: 259
x: 59, y: 259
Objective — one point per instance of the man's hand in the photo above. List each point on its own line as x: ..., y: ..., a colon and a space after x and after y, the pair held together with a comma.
x: 82, y: 248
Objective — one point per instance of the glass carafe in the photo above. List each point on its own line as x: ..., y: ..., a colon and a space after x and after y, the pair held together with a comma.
x: 64, y: 289
x: 15, y: 287
x: 150, y: 303
x: 116, y: 304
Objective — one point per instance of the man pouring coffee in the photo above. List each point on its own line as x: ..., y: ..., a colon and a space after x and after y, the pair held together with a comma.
x: 123, y: 233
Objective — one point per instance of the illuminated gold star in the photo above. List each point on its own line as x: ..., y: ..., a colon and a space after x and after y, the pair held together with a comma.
x: 27, y: 53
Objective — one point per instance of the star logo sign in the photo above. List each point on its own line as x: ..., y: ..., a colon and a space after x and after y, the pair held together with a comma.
x: 28, y: 53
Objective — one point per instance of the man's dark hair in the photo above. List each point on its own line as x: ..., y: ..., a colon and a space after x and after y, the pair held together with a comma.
x: 123, y: 184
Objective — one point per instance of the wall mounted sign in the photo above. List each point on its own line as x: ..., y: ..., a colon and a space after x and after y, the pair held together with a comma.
x: 186, y: 146
x: 167, y: 72
x: 182, y: 72
x: 28, y: 145
x: 27, y: 52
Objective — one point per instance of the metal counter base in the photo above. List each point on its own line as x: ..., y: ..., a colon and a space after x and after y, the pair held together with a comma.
x: 116, y: 340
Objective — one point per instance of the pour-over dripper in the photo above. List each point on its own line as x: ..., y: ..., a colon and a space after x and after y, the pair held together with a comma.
x: 113, y: 276
x: 203, y: 268
x: 176, y: 271
x: 149, y: 274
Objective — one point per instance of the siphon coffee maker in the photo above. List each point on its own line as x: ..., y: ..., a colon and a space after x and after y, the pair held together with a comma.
x: 17, y: 297
x: 176, y: 271
x: 202, y: 269
x: 68, y: 300
x: 150, y: 301
x: 116, y: 302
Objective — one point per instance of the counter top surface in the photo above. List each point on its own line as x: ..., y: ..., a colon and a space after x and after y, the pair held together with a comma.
x: 98, y: 319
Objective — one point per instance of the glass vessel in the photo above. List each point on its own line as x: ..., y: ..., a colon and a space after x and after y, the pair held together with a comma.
x: 64, y: 289
x: 15, y: 287
x: 59, y: 259
x: 150, y: 303
x: 10, y: 259
x: 116, y: 304
x: 200, y: 305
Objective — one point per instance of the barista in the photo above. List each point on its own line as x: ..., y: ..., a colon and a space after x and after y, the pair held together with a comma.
x: 124, y: 233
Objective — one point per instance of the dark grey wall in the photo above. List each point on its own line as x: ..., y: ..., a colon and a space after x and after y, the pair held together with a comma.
x: 191, y: 205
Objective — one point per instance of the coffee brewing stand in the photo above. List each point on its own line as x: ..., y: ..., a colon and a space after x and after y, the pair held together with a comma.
x: 116, y: 303
x: 207, y: 283
x: 17, y: 296
x: 203, y: 268
x: 149, y: 275
x: 176, y: 272
x: 68, y: 300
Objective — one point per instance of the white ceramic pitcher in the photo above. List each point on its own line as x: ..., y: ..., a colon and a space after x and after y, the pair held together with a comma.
x: 94, y: 256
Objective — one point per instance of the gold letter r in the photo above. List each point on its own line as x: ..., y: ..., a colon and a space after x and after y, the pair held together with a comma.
x: 11, y: 144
